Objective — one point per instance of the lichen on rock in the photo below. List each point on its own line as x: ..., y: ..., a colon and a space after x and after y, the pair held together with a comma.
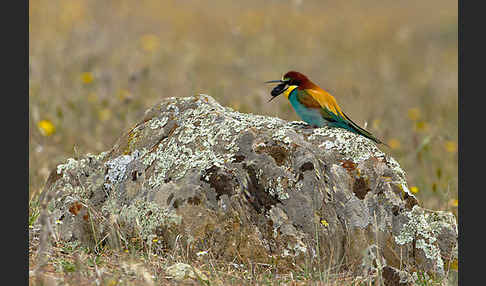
x: 253, y: 187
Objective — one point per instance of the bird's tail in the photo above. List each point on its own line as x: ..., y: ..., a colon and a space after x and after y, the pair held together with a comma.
x: 355, y: 128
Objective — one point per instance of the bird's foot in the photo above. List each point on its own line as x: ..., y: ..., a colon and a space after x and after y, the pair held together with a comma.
x: 301, y: 124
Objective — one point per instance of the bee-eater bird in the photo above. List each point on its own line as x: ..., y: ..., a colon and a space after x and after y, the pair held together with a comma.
x: 314, y: 105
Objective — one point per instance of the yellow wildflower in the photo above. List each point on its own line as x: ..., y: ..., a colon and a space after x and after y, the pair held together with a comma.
x: 87, y: 77
x: 414, y: 113
x: 46, y: 127
x: 450, y: 146
x: 394, y: 143
x: 324, y: 223
x: 454, y: 203
x: 421, y: 126
x: 414, y: 189
x: 150, y: 42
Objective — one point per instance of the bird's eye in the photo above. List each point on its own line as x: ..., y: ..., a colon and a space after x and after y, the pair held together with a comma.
x: 291, y: 81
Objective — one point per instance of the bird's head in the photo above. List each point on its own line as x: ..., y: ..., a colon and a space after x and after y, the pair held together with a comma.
x: 289, y: 82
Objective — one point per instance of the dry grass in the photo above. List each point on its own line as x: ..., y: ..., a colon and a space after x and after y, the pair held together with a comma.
x: 71, y: 263
x: 96, y: 66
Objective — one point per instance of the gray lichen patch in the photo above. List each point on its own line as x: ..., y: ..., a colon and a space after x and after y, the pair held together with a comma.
x: 71, y: 165
x: 440, y: 219
x: 156, y: 123
x: 117, y: 167
x: 277, y: 189
x: 195, y: 143
x: 354, y: 147
x: 419, y: 229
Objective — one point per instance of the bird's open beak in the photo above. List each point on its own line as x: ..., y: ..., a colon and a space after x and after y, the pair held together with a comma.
x: 271, y: 98
x: 279, y: 89
x: 273, y: 81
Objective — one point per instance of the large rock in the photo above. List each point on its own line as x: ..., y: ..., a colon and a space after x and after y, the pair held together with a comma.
x: 197, y: 175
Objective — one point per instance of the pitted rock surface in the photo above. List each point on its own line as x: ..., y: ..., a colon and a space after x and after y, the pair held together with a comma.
x: 247, y: 186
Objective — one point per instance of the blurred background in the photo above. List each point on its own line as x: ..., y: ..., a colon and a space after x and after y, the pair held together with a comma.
x: 96, y: 66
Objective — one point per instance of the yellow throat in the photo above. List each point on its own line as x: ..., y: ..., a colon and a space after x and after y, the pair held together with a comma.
x: 289, y: 90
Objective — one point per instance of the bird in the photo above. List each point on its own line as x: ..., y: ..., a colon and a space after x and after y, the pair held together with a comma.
x: 314, y: 105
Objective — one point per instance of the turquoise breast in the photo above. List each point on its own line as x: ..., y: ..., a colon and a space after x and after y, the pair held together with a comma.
x: 311, y: 116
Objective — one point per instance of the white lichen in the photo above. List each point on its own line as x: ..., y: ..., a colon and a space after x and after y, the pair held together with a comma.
x: 277, y: 189
x: 207, y: 136
x: 98, y: 157
x: 156, y: 123
x: 193, y: 143
x: 281, y: 135
x: 71, y: 164
x: 352, y: 146
x: 78, y: 165
x: 418, y: 228
x: 294, y: 249
x: 116, y: 168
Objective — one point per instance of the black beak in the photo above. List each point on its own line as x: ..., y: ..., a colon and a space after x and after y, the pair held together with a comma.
x: 271, y: 98
x: 279, y: 89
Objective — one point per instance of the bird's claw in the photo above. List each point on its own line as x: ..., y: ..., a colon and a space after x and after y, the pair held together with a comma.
x: 300, y: 124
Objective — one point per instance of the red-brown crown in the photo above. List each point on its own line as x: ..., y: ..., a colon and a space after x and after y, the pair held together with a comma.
x: 296, y: 78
